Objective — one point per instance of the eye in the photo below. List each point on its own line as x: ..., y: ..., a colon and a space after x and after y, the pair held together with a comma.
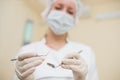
x: 70, y: 12
x: 58, y: 8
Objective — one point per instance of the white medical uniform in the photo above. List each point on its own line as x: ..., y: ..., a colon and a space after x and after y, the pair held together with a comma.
x: 45, y: 72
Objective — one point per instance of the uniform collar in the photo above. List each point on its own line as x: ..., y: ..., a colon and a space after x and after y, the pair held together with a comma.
x: 44, y: 40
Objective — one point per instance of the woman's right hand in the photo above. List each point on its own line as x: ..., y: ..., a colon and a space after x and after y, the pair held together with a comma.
x: 26, y: 64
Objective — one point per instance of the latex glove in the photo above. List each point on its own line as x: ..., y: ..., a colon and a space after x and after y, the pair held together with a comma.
x: 77, y: 64
x: 26, y: 64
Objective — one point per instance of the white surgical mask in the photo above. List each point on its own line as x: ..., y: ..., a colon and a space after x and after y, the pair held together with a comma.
x: 60, y: 22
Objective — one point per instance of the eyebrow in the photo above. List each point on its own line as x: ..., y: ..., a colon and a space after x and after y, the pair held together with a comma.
x: 70, y: 8
x: 60, y: 4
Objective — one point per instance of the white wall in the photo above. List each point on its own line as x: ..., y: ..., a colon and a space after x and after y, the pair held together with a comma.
x: 13, y: 14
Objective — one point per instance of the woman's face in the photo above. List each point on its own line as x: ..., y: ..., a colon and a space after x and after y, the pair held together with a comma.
x: 67, y: 6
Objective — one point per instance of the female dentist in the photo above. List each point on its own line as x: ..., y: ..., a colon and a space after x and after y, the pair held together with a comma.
x: 55, y: 57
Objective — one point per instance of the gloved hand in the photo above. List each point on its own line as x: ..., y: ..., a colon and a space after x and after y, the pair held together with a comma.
x: 77, y: 64
x: 26, y: 64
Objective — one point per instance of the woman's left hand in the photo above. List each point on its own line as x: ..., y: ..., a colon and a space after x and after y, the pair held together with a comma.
x: 77, y: 64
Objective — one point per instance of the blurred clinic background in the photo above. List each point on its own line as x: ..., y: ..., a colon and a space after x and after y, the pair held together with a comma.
x: 99, y: 27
